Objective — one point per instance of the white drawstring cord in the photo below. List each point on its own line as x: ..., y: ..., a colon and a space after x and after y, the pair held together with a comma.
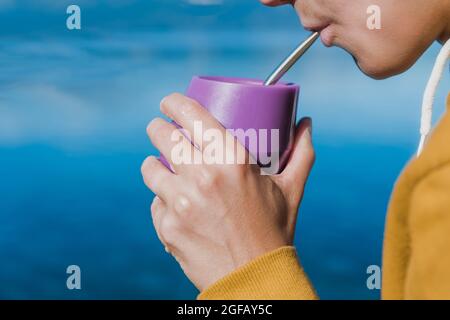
x: 430, y: 93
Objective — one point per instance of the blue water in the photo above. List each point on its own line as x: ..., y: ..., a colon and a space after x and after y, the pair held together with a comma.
x: 73, y: 112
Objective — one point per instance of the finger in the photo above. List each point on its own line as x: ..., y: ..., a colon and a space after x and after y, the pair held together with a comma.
x: 190, y: 115
x: 158, y: 178
x: 157, y: 211
x: 295, y: 175
x: 172, y: 144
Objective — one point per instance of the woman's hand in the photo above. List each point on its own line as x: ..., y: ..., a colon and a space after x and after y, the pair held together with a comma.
x: 216, y: 218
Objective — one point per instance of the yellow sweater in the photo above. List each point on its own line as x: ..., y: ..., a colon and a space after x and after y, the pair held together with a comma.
x: 416, y: 258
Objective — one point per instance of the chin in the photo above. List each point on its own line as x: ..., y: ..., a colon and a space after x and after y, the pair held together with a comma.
x: 374, y: 72
x: 382, y: 70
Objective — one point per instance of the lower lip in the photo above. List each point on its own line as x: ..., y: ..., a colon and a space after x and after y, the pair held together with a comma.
x: 326, y: 37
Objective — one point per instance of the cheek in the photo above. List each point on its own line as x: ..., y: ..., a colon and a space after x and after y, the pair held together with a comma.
x: 320, y: 10
x: 389, y: 50
x: 373, y: 52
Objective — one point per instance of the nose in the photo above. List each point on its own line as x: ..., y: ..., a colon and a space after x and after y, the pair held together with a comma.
x: 274, y: 3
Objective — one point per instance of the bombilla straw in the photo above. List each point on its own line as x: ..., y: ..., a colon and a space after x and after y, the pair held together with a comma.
x: 284, y: 67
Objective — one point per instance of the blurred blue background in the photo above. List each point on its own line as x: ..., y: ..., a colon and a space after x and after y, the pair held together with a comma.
x: 73, y: 110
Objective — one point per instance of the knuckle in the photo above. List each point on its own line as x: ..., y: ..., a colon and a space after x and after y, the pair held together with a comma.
x: 182, y: 206
x: 207, y: 179
x: 187, y: 106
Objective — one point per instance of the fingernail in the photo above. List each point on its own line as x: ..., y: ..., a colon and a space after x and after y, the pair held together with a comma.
x: 163, y: 106
x: 150, y: 124
x: 309, y: 125
x: 156, y: 201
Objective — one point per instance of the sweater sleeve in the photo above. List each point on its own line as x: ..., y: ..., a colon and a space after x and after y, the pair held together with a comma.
x: 277, y: 275
x: 428, y: 272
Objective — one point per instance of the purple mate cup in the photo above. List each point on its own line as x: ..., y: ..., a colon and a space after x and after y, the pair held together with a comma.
x: 245, y: 105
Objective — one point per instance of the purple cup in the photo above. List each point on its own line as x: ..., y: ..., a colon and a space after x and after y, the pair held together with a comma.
x: 247, y: 107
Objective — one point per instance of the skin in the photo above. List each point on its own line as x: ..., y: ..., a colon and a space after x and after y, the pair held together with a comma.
x: 216, y: 218
x: 252, y: 214
x: 408, y: 28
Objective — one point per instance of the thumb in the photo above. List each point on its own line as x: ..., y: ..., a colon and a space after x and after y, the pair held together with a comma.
x: 293, y: 178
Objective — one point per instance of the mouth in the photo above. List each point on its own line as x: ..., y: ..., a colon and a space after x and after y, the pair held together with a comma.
x: 325, y: 33
x: 315, y: 28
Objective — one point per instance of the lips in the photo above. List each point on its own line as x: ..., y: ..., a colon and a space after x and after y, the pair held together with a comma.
x: 315, y: 28
x: 325, y: 33
x: 326, y: 36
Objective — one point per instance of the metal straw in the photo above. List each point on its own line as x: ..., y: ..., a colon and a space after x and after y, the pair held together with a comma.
x: 279, y: 72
